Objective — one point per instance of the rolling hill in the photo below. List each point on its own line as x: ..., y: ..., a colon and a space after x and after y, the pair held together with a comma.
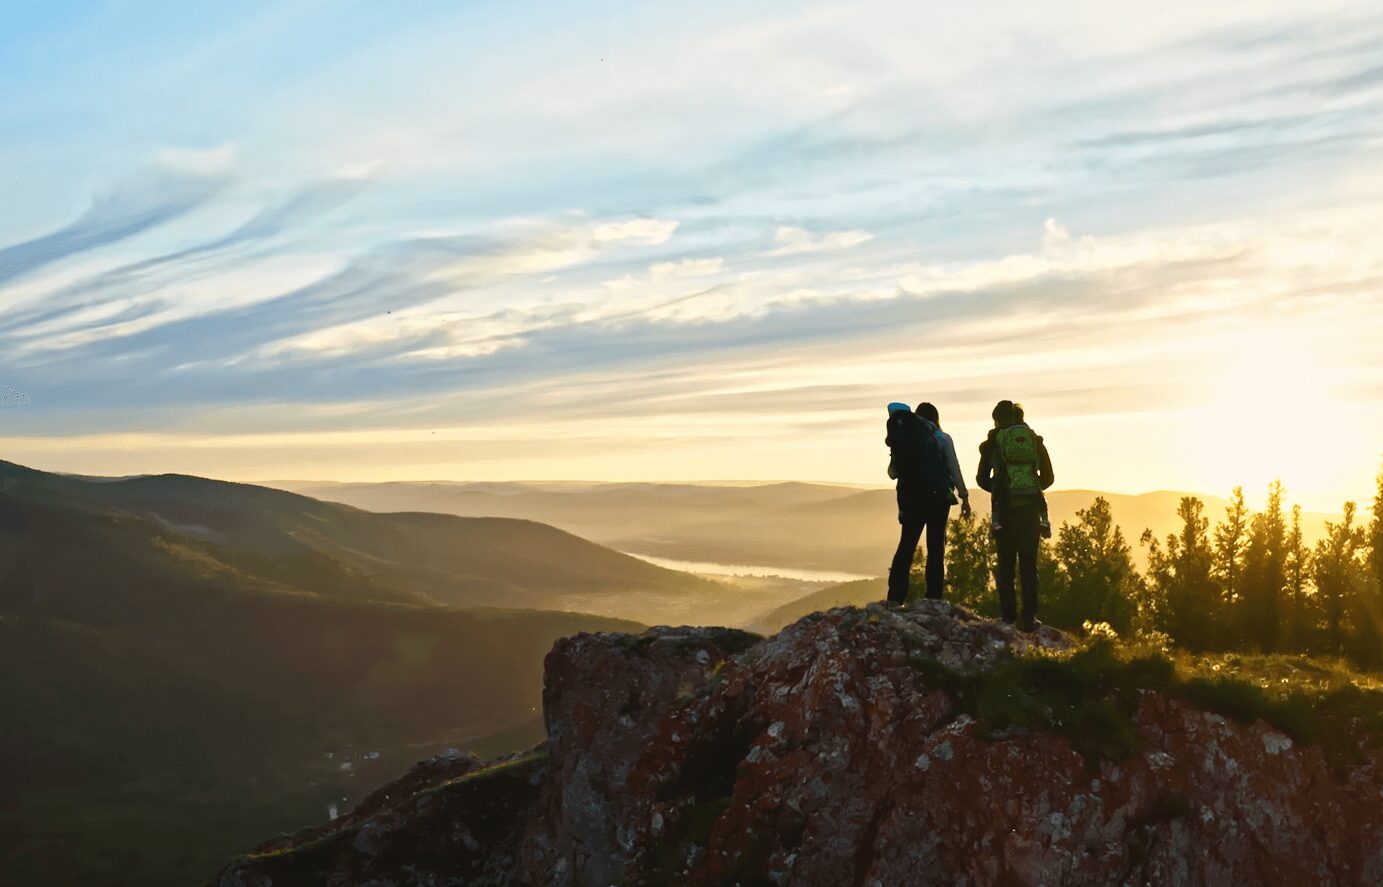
x: 189, y: 664
x: 271, y: 540
x: 787, y: 525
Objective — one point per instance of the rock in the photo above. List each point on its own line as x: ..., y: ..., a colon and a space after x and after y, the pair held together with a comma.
x: 826, y: 755
x: 449, y: 821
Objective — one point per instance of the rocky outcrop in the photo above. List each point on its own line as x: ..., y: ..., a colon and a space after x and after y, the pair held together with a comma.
x: 830, y: 754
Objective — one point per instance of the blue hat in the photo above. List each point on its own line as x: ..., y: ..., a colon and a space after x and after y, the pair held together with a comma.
x: 897, y: 407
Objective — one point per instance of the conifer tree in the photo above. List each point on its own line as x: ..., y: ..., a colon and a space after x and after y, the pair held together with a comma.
x: 1337, y: 568
x: 1264, y: 573
x: 1230, y: 538
x: 970, y: 566
x: 1373, y: 590
x: 1188, y: 604
x: 1297, y: 570
x: 1100, y: 581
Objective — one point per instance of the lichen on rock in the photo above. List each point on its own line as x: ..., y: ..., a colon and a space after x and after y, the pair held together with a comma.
x: 855, y: 747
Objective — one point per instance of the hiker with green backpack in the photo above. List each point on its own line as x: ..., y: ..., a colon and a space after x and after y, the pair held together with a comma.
x: 1015, y: 469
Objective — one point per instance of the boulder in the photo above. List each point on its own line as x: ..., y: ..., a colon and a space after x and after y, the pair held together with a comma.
x: 831, y: 754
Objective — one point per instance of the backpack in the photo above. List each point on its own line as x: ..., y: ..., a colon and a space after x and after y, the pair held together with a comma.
x: 1016, y: 447
x: 916, y: 452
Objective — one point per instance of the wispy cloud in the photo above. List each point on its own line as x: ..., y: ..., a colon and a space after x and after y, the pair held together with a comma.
x: 132, y: 279
x: 685, y: 268
x: 794, y: 241
x: 622, y: 230
x: 135, y: 206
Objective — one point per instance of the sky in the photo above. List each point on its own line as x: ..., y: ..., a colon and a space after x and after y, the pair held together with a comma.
x: 658, y: 241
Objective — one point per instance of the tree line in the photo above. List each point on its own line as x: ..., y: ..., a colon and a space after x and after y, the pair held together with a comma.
x: 1250, y: 583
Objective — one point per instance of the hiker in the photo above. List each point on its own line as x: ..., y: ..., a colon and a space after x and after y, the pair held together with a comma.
x: 1014, y: 469
x: 948, y: 452
x: 918, y: 464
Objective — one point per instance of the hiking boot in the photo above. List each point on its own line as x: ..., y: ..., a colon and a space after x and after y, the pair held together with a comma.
x: 1029, y: 626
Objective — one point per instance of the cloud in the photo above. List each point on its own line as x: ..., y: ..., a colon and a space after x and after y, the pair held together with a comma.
x: 622, y: 284
x: 685, y: 268
x: 644, y: 231
x: 309, y: 203
x: 357, y: 315
x: 137, y: 279
x: 1054, y: 234
x: 795, y: 241
x: 1072, y: 194
x: 144, y: 202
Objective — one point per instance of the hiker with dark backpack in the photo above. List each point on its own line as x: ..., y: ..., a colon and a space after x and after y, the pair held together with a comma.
x: 1015, y: 469
x: 924, y: 498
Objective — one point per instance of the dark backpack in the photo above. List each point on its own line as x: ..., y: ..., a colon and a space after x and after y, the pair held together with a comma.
x: 917, y: 453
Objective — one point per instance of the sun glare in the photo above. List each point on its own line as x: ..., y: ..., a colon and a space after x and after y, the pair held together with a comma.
x: 1273, y: 411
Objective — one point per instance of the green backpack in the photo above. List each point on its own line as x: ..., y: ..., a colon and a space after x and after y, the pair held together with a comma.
x: 1017, y: 445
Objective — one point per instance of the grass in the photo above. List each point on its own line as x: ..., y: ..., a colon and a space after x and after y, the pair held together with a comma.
x: 1089, y: 695
x: 493, y: 770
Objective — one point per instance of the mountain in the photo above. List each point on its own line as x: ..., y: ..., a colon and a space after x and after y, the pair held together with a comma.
x: 878, y: 746
x: 601, y: 511
x: 188, y: 663
x: 786, y: 525
x: 273, y: 540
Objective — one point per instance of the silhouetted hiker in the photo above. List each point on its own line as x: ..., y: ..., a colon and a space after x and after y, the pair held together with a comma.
x: 924, y: 498
x: 1015, y: 469
x: 948, y: 453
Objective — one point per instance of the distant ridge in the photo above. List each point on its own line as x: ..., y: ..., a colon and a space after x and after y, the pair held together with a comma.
x: 788, y: 525
x: 290, y: 541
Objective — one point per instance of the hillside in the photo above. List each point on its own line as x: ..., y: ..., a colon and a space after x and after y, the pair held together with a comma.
x: 271, y: 540
x: 845, y: 594
x: 878, y: 746
x: 183, y: 671
x: 787, y: 525
x: 601, y: 511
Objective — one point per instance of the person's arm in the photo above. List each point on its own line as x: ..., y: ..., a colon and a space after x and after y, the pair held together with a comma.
x: 953, y: 465
x: 985, y: 476
x: 1044, y: 467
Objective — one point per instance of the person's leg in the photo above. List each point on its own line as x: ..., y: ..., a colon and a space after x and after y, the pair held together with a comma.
x: 936, y: 548
x: 1004, y: 543
x: 902, y: 561
x: 1027, y: 532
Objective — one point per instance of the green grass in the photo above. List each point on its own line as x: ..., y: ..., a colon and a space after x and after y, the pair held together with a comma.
x: 1089, y: 695
x: 489, y: 772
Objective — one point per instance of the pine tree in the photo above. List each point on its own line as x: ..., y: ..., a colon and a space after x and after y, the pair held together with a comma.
x: 970, y: 566
x: 1376, y: 534
x: 1230, y: 539
x: 1161, y: 580
x: 1187, y: 602
x: 1264, y: 573
x: 1297, y: 570
x: 1099, y: 583
x: 1372, y: 603
x: 1337, y: 572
